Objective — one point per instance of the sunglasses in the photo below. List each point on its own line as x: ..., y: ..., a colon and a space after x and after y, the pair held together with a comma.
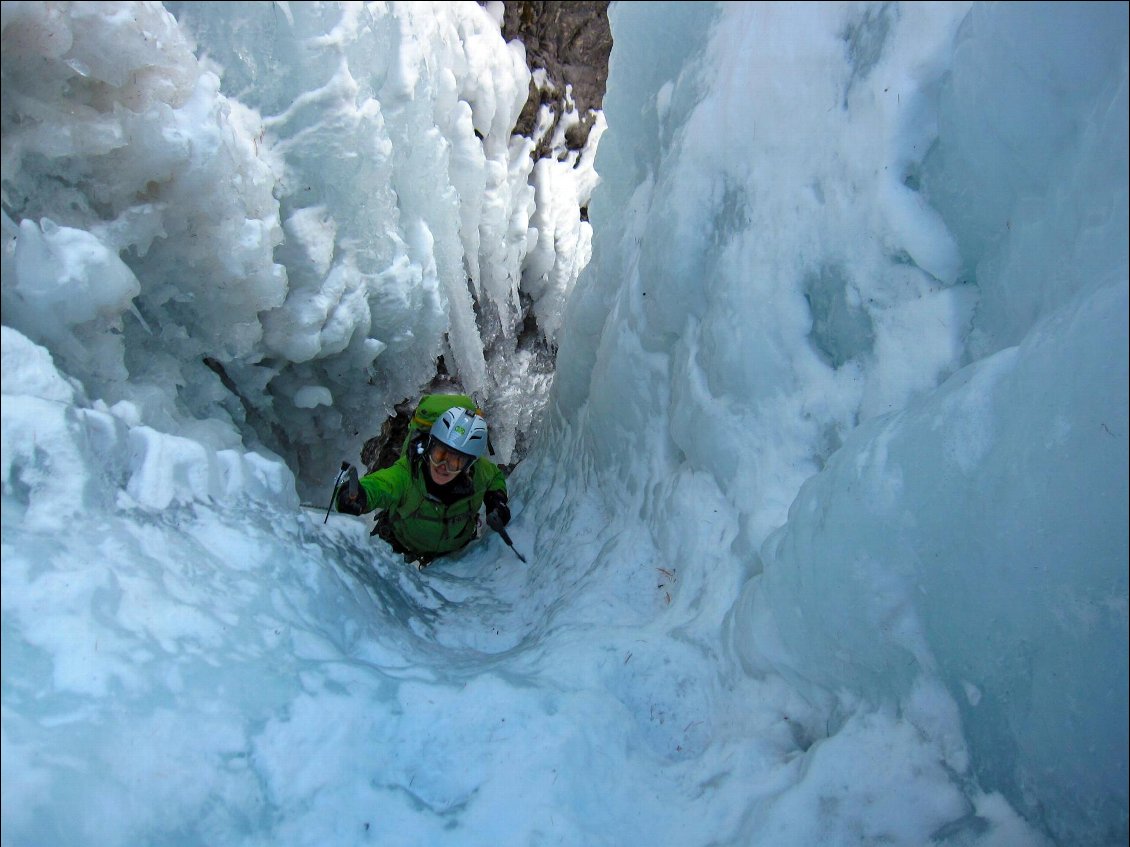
x: 453, y: 460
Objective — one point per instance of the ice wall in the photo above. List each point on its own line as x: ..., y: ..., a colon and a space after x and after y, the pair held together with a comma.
x: 881, y: 259
x: 293, y: 209
x: 851, y: 352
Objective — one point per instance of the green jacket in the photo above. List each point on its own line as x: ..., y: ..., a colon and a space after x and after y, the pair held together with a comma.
x: 423, y: 522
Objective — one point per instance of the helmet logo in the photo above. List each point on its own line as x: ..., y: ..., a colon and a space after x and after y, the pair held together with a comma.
x: 461, y: 430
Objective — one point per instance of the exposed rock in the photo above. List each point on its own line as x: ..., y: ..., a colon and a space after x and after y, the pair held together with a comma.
x: 571, y: 42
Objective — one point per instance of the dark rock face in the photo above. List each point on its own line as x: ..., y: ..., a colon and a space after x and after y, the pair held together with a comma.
x: 571, y: 41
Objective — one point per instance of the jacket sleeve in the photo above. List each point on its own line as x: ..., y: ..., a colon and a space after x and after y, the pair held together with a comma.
x: 493, y: 483
x: 385, y: 487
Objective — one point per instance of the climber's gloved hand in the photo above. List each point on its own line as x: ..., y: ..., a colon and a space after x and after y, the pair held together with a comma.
x: 349, y: 505
x: 498, y: 517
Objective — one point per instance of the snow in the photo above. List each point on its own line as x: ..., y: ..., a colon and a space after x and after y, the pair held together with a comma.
x: 825, y: 503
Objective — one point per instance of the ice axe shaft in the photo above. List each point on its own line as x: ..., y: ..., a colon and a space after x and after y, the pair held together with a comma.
x: 506, y: 537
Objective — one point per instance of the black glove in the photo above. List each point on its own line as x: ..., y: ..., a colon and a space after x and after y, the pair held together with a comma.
x: 350, y: 505
x: 498, y: 517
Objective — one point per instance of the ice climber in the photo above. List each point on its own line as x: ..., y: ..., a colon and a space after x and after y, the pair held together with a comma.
x: 432, y: 494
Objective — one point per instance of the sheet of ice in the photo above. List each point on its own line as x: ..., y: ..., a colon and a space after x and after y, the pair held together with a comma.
x: 826, y: 520
x: 777, y: 304
x: 374, y: 211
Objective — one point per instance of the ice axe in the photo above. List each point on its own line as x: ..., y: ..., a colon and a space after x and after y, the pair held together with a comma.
x: 494, y: 523
x: 352, y: 482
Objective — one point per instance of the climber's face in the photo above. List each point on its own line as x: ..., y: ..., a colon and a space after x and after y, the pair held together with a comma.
x: 444, y: 463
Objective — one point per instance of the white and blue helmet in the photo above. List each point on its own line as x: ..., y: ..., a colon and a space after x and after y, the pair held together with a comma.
x: 461, y: 430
